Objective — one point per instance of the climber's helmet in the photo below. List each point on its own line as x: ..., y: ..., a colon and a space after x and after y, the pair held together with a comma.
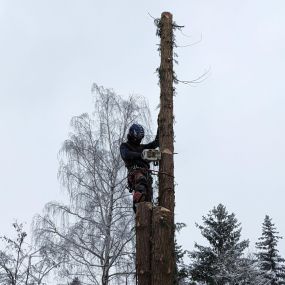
x: 136, y: 133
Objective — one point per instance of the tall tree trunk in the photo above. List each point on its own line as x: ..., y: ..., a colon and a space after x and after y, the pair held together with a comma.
x: 162, y: 271
x: 165, y: 119
x: 166, y: 165
x: 143, y: 243
x: 155, y: 260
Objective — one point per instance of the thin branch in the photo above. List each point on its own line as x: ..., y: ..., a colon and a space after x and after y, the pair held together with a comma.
x: 197, y: 80
x: 152, y: 16
x: 190, y: 45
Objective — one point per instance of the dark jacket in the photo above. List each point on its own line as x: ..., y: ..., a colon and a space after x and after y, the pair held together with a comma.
x: 131, y: 153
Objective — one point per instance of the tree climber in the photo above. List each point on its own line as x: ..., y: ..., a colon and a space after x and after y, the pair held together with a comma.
x: 139, y: 178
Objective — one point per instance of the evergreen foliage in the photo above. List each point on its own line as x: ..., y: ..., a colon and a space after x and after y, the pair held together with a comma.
x: 270, y: 262
x: 219, y: 263
x: 182, y: 274
x: 75, y: 281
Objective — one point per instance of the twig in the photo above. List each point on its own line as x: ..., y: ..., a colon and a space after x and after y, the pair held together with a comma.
x: 197, y: 80
x: 197, y: 42
x: 187, y: 36
x: 151, y: 16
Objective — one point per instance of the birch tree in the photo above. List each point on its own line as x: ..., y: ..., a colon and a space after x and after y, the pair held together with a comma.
x: 94, y: 233
x: 21, y: 263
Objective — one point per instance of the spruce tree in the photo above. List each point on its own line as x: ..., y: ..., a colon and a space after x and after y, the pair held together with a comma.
x: 218, y: 263
x: 182, y: 274
x: 75, y: 281
x: 270, y: 262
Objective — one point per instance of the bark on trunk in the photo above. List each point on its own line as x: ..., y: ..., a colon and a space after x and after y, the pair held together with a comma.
x: 165, y: 120
x: 143, y: 243
x: 162, y: 271
x: 106, y: 263
x: 155, y: 226
x: 166, y: 140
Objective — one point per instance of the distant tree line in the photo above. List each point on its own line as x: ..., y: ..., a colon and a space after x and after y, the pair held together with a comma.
x: 90, y: 239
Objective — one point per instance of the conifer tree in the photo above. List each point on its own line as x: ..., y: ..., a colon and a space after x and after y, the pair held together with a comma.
x: 219, y: 263
x: 182, y: 274
x: 270, y: 262
x: 75, y: 281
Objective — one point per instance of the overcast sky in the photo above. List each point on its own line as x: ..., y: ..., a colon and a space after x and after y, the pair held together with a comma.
x: 230, y: 128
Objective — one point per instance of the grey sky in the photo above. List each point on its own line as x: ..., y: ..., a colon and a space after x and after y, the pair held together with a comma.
x: 230, y: 128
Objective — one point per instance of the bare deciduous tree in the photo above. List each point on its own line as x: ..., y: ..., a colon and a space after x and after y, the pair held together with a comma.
x: 22, y: 264
x: 94, y: 232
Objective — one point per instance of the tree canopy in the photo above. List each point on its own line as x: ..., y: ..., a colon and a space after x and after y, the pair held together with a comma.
x: 94, y: 233
x: 270, y: 262
x: 219, y: 262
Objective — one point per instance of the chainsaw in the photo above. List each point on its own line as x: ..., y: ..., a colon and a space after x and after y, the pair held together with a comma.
x: 153, y: 155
